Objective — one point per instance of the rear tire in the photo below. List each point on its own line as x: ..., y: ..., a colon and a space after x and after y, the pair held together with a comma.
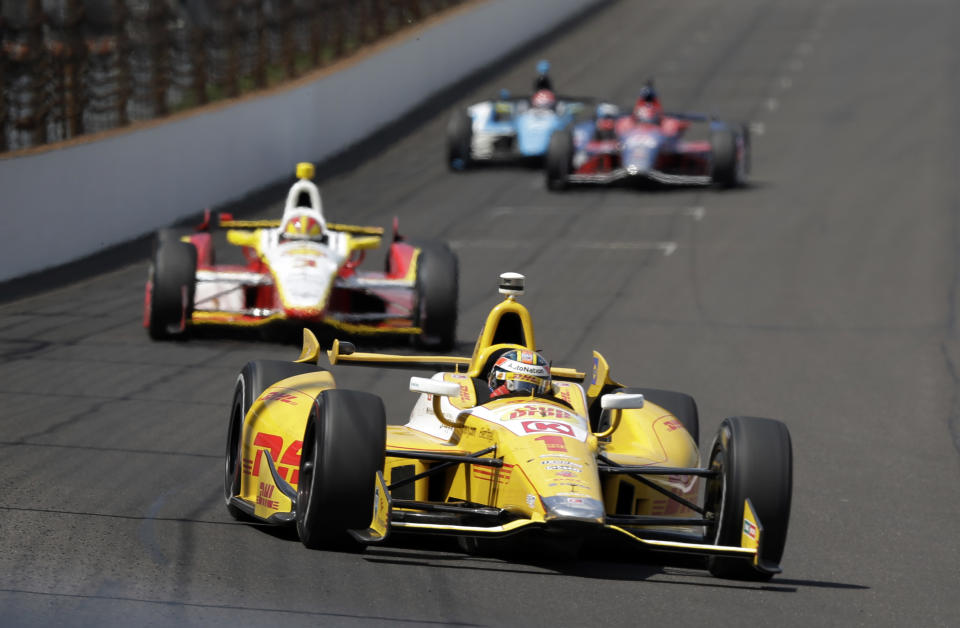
x: 754, y: 459
x: 459, y: 140
x: 559, y: 160
x: 437, y: 286
x: 678, y: 404
x: 172, y: 285
x: 255, y: 378
x: 343, y: 448
x: 723, y: 147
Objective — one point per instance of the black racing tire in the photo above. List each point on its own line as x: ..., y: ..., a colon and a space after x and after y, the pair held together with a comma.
x: 343, y: 448
x: 723, y: 148
x: 173, y: 275
x: 754, y: 459
x: 559, y: 160
x: 254, y: 378
x: 171, y: 234
x: 679, y: 404
x: 438, y: 287
x: 459, y: 141
x: 747, y: 149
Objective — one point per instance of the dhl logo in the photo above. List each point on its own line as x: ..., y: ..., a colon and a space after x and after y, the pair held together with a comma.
x: 539, y: 411
x: 282, y: 397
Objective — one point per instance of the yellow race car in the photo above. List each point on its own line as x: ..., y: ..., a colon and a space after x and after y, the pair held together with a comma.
x: 499, y: 444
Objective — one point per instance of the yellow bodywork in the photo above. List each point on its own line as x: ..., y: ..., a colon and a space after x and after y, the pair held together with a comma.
x: 274, y: 426
x: 536, y: 457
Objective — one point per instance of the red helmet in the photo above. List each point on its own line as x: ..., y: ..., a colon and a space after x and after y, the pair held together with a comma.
x: 543, y: 99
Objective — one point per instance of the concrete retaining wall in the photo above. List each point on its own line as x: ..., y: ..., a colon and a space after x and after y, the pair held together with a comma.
x: 66, y: 203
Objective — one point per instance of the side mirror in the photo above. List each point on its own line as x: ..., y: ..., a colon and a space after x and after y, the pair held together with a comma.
x: 435, y: 387
x: 617, y: 402
x: 439, y: 389
x: 621, y: 401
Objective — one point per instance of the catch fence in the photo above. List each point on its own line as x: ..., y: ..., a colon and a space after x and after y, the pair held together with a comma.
x: 73, y: 67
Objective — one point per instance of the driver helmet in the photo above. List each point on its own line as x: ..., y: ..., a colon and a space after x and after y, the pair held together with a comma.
x: 302, y: 226
x: 648, y: 112
x: 543, y: 99
x: 606, y: 120
x: 519, y: 370
x: 647, y: 108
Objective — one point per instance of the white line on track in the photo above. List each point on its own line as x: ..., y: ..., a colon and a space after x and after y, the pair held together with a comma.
x: 697, y: 212
x: 668, y: 247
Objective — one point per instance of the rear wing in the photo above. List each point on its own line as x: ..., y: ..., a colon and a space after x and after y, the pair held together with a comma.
x: 346, y: 353
x: 229, y: 223
x: 226, y: 221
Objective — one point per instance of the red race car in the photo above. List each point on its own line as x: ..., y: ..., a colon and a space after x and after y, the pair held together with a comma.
x: 647, y: 145
x: 304, y: 270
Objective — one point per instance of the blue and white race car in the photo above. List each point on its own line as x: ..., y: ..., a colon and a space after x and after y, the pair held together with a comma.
x: 510, y: 128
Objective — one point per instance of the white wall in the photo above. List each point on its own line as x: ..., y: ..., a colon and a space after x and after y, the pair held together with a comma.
x: 63, y: 204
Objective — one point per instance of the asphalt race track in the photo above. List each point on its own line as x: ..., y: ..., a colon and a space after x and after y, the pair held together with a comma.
x: 825, y: 295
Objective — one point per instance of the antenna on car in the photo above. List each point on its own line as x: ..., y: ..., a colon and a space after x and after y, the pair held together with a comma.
x: 511, y: 284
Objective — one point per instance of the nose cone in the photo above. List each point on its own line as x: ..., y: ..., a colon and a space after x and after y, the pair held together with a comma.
x: 565, y: 508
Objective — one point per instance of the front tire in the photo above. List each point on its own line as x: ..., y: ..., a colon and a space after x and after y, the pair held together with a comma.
x: 171, y: 288
x: 343, y: 448
x: 754, y: 459
x: 255, y: 378
x: 459, y: 141
x: 723, y: 147
x: 559, y: 160
x: 437, y: 286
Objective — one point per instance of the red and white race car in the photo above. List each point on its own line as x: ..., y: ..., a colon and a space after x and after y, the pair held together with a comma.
x: 302, y: 269
x: 648, y: 146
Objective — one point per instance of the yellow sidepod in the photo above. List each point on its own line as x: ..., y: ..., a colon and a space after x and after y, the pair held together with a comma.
x: 651, y: 436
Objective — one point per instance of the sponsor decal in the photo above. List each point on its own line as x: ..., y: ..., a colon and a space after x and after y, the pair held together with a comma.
x: 531, y: 501
x: 487, y: 434
x: 563, y: 474
x: 596, y: 367
x: 672, y: 424
x: 541, y: 411
x: 563, y: 461
x: 552, y: 443
x: 282, y: 397
x: 750, y: 530
x: 264, y: 495
x: 287, y: 460
x: 533, y: 427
